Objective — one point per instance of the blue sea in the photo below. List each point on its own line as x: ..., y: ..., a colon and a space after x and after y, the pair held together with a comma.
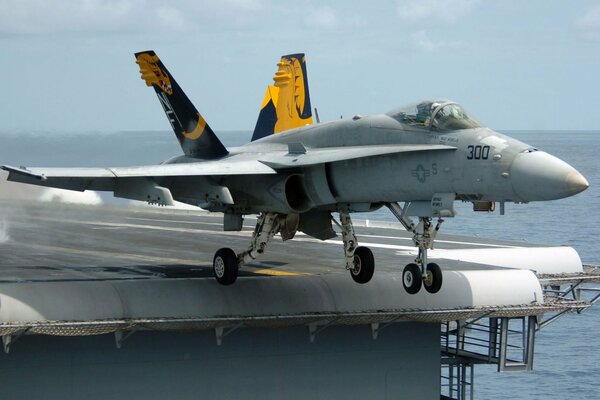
x: 567, y: 352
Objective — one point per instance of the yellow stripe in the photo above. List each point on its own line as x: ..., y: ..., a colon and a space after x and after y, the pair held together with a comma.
x: 274, y: 272
x: 198, y: 130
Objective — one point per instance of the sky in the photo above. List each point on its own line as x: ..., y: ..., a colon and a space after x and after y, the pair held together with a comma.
x: 68, y: 66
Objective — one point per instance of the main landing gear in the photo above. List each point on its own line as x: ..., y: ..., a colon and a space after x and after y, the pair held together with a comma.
x: 359, y: 259
x: 421, y: 272
x: 226, y: 263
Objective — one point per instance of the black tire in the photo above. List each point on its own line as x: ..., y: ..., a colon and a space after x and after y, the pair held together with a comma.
x: 364, y: 265
x: 412, y: 278
x: 225, y: 266
x: 433, y: 280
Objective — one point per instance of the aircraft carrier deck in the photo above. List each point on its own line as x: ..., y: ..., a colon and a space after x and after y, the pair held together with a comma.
x: 293, y: 325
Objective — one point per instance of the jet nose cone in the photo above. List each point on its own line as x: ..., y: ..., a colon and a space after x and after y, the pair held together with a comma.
x: 539, y: 176
x: 576, y: 182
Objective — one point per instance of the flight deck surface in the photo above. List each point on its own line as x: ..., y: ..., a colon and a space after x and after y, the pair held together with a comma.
x: 68, y: 242
x: 79, y: 270
x: 72, y: 269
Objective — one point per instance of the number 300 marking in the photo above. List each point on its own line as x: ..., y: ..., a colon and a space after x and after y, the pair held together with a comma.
x: 478, y: 152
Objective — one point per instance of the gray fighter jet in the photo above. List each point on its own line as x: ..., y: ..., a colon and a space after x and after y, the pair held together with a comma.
x: 295, y: 174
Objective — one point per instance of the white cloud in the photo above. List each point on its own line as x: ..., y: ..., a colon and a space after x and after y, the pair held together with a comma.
x: 589, y: 23
x: 36, y: 16
x: 326, y: 18
x: 41, y: 16
x: 323, y: 18
x: 170, y: 17
x: 591, y: 18
x: 423, y: 42
x: 434, y: 10
x: 244, y: 5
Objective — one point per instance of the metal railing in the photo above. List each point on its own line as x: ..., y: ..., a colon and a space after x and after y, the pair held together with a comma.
x: 509, y: 341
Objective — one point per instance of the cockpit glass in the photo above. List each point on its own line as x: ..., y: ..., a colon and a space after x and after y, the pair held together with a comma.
x: 441, y: 115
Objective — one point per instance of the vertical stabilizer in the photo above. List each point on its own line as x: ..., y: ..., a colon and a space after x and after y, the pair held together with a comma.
x: 287, y: 102
x: 196, y: 138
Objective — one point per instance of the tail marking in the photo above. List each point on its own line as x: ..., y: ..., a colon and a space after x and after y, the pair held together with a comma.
x: 286, y: 104
x: 195, y: 136
x: 152, y: 73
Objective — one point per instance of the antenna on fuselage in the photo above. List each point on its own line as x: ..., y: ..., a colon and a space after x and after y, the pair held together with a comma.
x: 317, y: 116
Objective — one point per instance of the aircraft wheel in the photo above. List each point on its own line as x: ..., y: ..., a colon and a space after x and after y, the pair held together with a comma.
x: 433, y: 279
x: 364, y: 265
x: 225, y: 266
x: 412, y: 278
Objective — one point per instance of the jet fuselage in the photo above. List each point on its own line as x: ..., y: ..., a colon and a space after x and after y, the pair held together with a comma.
x: 478, y: 165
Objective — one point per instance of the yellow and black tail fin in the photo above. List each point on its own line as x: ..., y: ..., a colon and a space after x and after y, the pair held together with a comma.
x: 287, y: 102
x: 196, y: 138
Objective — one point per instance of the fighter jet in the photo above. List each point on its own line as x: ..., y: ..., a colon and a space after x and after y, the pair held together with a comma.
x: 415, y: 160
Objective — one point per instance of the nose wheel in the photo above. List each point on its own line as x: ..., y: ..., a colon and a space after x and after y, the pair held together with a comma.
x: 420, y: 273
x: 412, y: 278
x: 432, y: 280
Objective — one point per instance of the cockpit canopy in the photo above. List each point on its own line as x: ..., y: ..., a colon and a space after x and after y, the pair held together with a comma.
x: 440, y: 115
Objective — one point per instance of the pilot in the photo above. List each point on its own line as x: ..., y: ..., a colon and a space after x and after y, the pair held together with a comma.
x: 424, y: 111
x: 432, y: 108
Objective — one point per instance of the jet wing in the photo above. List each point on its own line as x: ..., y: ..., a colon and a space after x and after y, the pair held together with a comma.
x: 298, y: 156
x: 139, y: 183
x: 104, y: 178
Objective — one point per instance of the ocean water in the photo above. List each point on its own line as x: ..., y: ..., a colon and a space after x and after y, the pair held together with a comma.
x: 567, y: 352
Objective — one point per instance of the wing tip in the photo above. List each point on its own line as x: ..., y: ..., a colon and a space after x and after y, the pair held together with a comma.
x: 23, y: 171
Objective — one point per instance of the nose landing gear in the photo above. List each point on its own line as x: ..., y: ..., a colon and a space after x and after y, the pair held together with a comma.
x: 432, y: 280
x: 420, y: 273
x: 412, y: 278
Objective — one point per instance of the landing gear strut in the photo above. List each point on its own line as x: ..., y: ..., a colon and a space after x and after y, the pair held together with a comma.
x: 359, y: 260
x: 421, y: 272
x: 226, y: 264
